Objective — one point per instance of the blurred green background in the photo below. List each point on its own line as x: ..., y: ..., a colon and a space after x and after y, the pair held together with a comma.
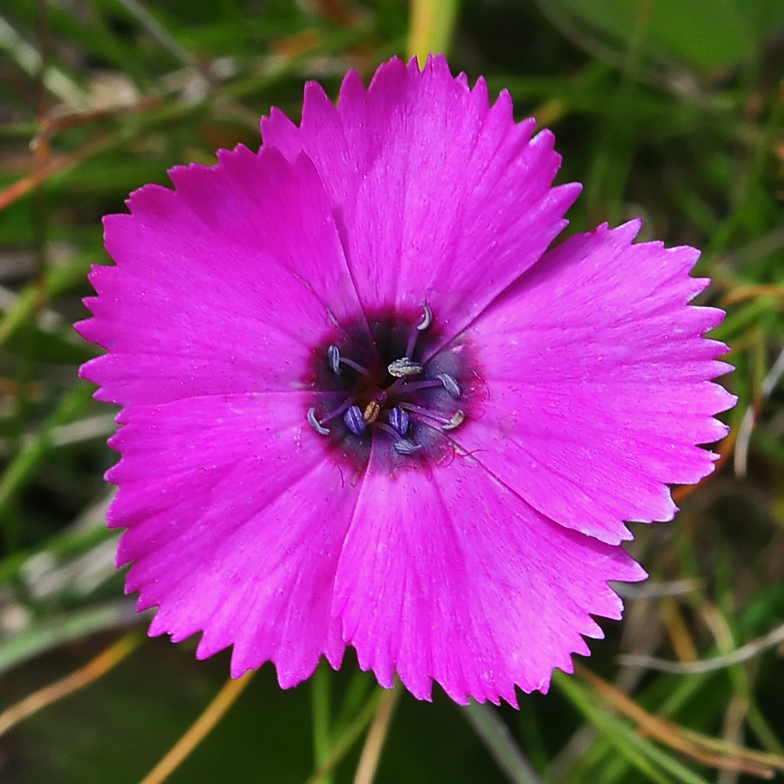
x: 668, y: 109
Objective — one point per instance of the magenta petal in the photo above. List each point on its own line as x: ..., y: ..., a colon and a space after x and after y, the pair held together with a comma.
x: 235, y: 523
x: 451, y: 577
x: 442, y: 198
x: 598, y: 378
x: 362, y: 404
x: 213, y: 292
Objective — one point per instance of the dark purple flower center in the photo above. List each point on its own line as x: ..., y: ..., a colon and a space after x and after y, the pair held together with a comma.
x: 382, y: 384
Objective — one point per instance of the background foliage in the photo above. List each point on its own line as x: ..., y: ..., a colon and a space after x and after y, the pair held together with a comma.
x: 669, y: 109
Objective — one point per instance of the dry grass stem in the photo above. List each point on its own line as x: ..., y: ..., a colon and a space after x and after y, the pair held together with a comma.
x: 746, y: 652
x: 377, y: 734
x: 708, y: 751
x: 214, y: 712
x: 93, y: 670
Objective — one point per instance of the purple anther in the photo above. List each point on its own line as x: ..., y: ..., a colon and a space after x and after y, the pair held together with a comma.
x: 404, y: 367
x: 400, y: 420
x: 333, y: 355
x: 450, y: 385
x: 315, y: 424
x: 354, y: 420
x: 406, y: 447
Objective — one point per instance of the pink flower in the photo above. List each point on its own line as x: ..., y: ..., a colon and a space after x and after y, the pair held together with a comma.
x: 363, y: 404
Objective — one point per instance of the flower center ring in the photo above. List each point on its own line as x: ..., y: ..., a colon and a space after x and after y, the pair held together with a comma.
x: 389, y: 388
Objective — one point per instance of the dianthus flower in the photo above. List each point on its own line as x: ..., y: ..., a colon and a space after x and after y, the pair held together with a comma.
x: 363, y: 404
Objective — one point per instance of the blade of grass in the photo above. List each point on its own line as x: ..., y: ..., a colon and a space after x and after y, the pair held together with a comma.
x: 322, y: 712
x: 640, y: 752
x: 351, y: 735
x: 56, y: 630
x: 431, y: 28
x: 670, y: 734
x: 25, y: 463
x: 27, y: 57
x: 499, y: 742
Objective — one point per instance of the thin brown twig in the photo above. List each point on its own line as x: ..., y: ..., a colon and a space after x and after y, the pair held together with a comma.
x: 725, y: 450
x: 56, y: 123
x: 727, y: 756
x: 49, y: 126
x: 214, y: 712
x: 755, y: 291
x: 33, y: 179
x: 94, y: 669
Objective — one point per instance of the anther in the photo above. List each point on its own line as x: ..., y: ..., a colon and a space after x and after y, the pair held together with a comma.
x: 354, y: 420
x: 406, y: 447
x: 427, y: 319
x: 371, y: 412
x: 315, y: 424
x: 428, y: 415
x: 404, y: 367
x: 457, y: 419
x: 335, y: 361
x: 333, y: 355
x: 450, y: 385
x: 400, y: 420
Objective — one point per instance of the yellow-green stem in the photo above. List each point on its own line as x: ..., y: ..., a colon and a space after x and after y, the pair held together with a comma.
x: 432, y: 25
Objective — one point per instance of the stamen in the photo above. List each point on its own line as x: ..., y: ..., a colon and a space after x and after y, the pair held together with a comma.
x: 404, y: 367
x: 406, y: 447
x: 354, y: 420
x: 455, y: 421
x: 450, y: 385
x: 318, y: 425
x: 333, y: 355
x: 405, y: 407
x: 371, y: 412
x: 335, y: 361
x: 401, y: 385
x: 446, y: 423
x: 427, y: 319
x: 315, y: 424
x: 350, y: 362
x: 338, y: 411
x: 400, y: 420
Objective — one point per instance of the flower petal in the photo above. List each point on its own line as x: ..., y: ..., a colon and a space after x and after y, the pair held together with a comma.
x: 235, y: 523
x: 452, y: 577
x: 439, y: 197
x: 598, y: 378
x: 221, y: 285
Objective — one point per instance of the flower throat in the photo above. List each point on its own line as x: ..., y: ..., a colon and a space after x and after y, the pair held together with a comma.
x: 382, y: 384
